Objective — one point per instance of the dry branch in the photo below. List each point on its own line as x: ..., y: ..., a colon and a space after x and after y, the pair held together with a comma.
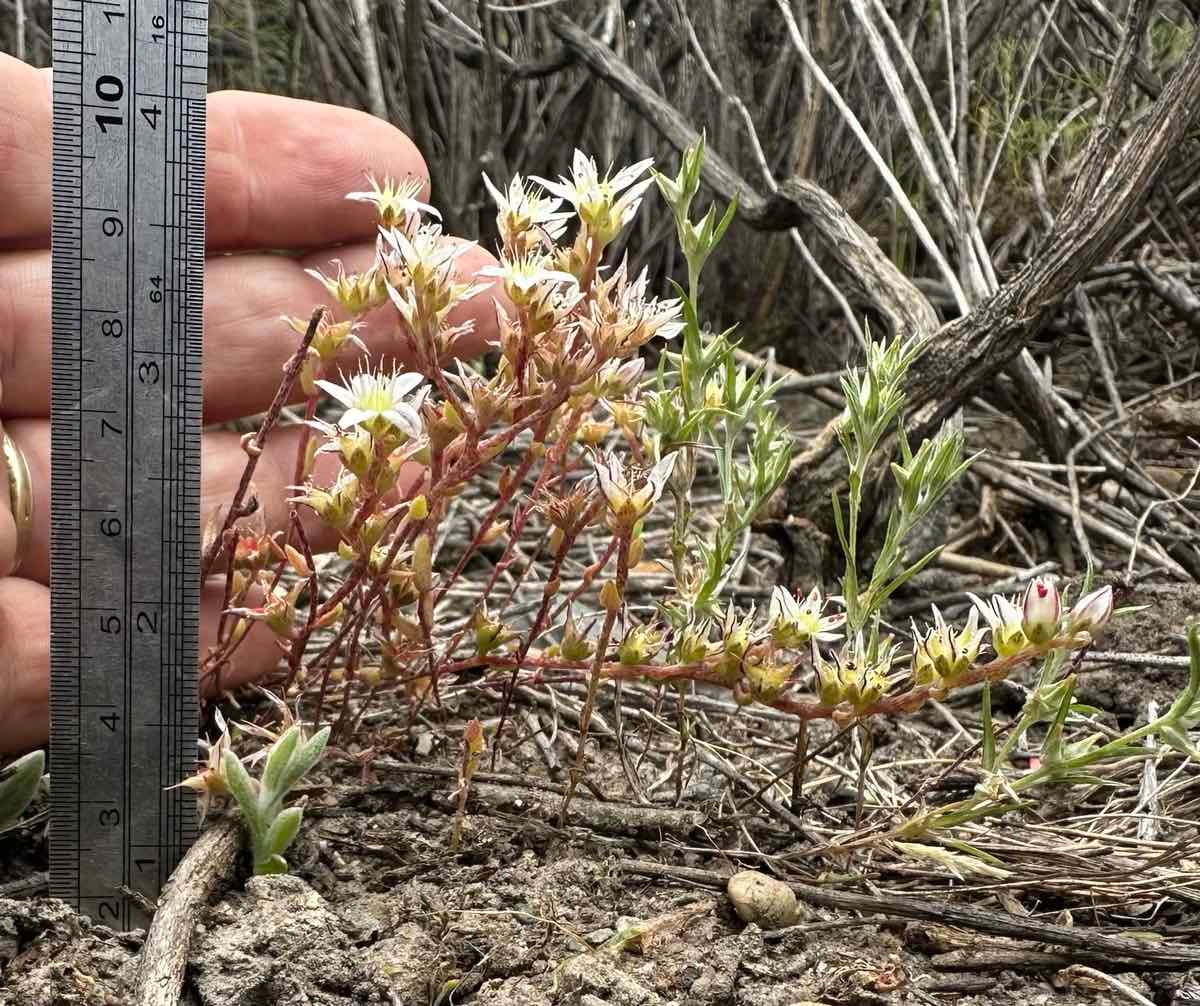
x: 797, y: 203
x: 165, y: 952
x: 1122, y: 948
x: 963, y: 354
x: 966, y: 353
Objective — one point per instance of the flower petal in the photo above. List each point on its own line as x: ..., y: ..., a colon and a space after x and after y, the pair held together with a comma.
x: 343, y: 395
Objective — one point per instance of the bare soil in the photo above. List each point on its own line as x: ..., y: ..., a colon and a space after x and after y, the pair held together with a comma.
x: 379, y: 909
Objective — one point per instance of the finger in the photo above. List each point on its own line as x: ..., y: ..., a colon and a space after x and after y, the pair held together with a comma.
x: 277, y: 173
x: 222, y: 465
x: 24, y: 664
x: 246, y: 344
x: 25, y: 138
x: 25, y: 659
x: 278, y: 170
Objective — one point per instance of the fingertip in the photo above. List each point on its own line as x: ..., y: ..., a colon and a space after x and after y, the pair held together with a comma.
x: 279, y: 170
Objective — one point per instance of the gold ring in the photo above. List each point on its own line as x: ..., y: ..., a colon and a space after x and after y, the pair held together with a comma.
x: 20, y: 495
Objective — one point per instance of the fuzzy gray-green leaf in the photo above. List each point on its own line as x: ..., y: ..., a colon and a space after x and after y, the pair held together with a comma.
x: 277, y: 761
x: 304, y: 757
x: 18, y: 786
x: 283, y: 830
x: 243, y: 789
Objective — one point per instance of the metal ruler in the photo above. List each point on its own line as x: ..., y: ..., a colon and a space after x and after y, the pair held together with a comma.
x: 130, y: 78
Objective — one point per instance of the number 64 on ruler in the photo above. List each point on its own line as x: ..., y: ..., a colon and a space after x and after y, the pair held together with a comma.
x: 128, y: 257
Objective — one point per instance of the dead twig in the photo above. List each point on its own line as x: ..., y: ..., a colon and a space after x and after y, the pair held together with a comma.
x: 165, y: 952
x: 1162, y: 954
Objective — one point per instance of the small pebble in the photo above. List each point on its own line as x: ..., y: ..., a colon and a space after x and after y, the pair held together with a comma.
x: 763, y: 900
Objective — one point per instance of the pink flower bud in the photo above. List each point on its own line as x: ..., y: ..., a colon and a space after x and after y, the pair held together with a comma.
x: 1091, y: 612
x: 1041, y: 611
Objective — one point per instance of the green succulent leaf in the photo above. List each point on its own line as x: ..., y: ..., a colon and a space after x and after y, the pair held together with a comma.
x: 19, y: 784
x: 284, y: 830
x: 277, y: 761
x: 244, y: 790
x: 271, y: 866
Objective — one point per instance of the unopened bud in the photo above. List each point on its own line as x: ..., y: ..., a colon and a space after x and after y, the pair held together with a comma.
x: 422, y: 563
x: 494, y: 533
x: 1091, y: 612
x: 297, y: 561
x: 418, y: 509
x: 767, y: 680
x: 310, y: 456
x: 357, y: 450
x: 640, y: 645
x: 239, y: 584
x: 610, y: 596
x: 372, y: 530
x: 489, y: 633
x: 1041, y: 611
x: 593, y: 433
x: 310, y: 372
x: 574, y: 646
x: 330, y: 617
x: 239, y: 631
x: 692, y: 646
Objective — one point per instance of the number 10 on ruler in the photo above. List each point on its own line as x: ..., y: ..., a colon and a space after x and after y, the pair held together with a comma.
x: 129, y: 102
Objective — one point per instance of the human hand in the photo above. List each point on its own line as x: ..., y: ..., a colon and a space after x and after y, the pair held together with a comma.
x: 278, y: 171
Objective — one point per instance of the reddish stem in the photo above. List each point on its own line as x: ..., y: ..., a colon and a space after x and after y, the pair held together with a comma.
x: 257, y: 443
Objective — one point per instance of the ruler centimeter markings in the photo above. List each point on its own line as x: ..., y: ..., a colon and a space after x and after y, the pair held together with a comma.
x: 130, y: 78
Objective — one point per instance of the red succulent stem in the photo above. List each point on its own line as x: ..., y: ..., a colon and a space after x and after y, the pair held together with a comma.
x: 256, y: 444
x: 594, y: 677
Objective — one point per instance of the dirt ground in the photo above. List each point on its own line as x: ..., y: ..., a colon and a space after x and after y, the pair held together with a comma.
x: 379, y: 909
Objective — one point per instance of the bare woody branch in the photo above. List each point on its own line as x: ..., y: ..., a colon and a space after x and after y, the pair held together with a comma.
x: 961, y: 355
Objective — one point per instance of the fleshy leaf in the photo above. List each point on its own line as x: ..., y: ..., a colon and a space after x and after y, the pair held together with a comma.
x: 277, y: 761
x: 284, y: 829
x: 19, y: 785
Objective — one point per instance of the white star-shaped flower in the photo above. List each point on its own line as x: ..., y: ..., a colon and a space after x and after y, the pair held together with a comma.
x: 369, y: 398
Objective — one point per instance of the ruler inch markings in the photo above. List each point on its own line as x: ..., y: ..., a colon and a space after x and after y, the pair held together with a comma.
x: 128, y: 248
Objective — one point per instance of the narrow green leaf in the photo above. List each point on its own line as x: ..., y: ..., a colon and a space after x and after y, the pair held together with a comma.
x: 908, y: 574
x: 19, y: 785
x: 303, y: 759
x: 243, y: 788
x: 283, y: 830
x: 277, y: 761
x: 988, y: 755
x: 726, y: 220
x: 838, y: 524
x: 1052, y: 747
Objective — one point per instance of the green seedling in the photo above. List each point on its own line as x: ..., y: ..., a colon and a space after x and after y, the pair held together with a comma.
x: 273, y: 827
x: 19, y: 784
